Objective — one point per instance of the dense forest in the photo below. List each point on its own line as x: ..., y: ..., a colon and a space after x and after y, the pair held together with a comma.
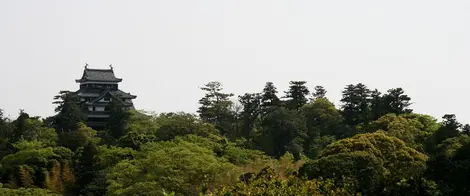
x: 295, y: 142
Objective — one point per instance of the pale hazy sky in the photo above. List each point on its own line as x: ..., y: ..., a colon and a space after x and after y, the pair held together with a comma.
x: 165, y: 50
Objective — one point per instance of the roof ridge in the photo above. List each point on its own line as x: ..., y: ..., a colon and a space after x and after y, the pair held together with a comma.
x: 88, y: 69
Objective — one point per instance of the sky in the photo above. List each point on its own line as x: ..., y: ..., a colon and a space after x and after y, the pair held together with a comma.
x: 166, y: 50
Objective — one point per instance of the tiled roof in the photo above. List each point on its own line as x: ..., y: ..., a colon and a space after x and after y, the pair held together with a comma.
x: 102, y: 75
x: 122, y: 94
x: 117, y: 94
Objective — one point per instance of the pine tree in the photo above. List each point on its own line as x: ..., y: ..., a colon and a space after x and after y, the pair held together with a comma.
x: 377, y: 105
x: 269, y: 99
x: 297, y: 94
x: 118, y: 119
x: 20, y: 125
x: 395, y: 101
x: 251, y: 111
x: 69, y: 111
x: 216, y: 107
x: 356, y: 105
x: 319, y: 92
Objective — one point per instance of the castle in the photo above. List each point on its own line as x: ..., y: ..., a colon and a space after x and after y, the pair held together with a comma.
x: 98, y: 87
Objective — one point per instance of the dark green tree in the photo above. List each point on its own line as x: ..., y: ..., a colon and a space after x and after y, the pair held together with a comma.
x: 216, y: 107
x: 19, y: 125
x: 251, y: 112
x: 319, y: 92
x: 450, y: 167
x: 377, y: 107
x: 119, y: 118
x: 324, y: 124
x: 297, y: 94
x: 450, y: 127
x: 466, y: 129
x: 269, y: 98
x: 69, y: 111
x: 6, y: 135
x: 323, y: 118
x: 283, y: 130
x: 356, y: 105
x: 396, y: 101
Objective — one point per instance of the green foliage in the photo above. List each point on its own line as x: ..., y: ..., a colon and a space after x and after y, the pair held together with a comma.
x: 283, y: 130
x: 80, y: 137
x: 251, y: 112
x: 450, y: 168
x: 119, y: 117
x: 102, y: 160
x: 35, y: 130
x: 180, y: 124
x: 69, y: 111
x: 26, y: 192
x: 356, y: 104
x: 323, y: 118
x: 317, y: 144
x: 176, y: 165
x: 372, y: 145
x: 324, y: 124
x: 413, y: 129
x: 30, y: 165
x: 370, y: 160
x: 319, y: 92
x: 142, y: 129
x: 269, y: 98
x: 215, y: 107
x: 395, y: 101
x: 450, y: 128
x: 297, y: 94
x: 267, y: 182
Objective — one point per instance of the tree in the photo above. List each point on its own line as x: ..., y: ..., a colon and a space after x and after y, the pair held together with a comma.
x: 372, y: 161
x: 450, y: 127
x: 324, y: 124
x: 80, y: 137
x: 118, y: 118
x: 355, y: 108
x: 26, y: 192
x: 269, y: 99
x: 413, y: 129
x: 268, y: 182
x: 19, y: 125
x: 251, y: 111
x: 34, y: 130
x: 69, y: 111
x: 283, y: 130
x: 297, y: 94
x: 377, y: 105
x: 176, y: 165
x: 319, y: 92
x: 395, y: 101
x: 323, y: 118
x: 466, y: 129
x: 450, y: 167
x: 6, y: 127
x: 180, y: 124
x: 215, y: 107
x: 32, y: 163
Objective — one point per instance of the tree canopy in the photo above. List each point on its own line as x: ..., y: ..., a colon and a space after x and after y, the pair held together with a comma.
x: 268, y: 142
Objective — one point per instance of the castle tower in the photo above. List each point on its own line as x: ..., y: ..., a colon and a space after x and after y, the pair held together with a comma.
x: 97, y: 88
